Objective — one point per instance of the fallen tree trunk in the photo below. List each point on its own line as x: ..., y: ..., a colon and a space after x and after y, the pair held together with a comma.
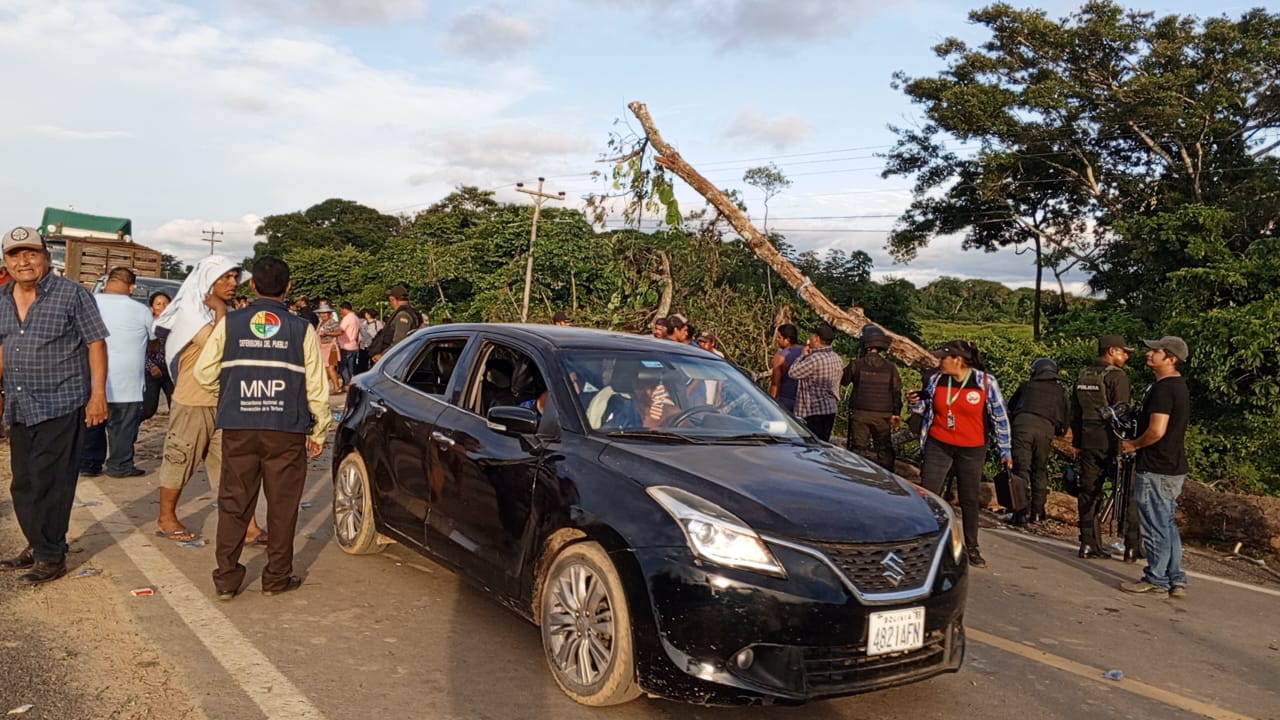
x: 848, y: 321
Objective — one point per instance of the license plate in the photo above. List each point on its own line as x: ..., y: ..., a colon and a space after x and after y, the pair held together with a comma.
x: 895, y: 631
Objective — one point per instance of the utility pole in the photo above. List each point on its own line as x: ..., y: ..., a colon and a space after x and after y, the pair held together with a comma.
x: 211, y: 233
x: 538, y: 197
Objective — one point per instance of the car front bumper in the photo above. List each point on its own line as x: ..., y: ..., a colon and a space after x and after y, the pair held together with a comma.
x: 730, y: 637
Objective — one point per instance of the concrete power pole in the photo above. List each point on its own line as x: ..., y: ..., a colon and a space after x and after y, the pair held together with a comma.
x: 211, y: 233
x: 538, y: 197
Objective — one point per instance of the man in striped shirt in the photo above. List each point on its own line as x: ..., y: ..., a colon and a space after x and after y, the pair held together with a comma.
x: 817, y: 373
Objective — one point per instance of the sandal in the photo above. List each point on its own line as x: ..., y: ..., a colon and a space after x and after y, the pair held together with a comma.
x: 180, y: 535
x: 260, y: 541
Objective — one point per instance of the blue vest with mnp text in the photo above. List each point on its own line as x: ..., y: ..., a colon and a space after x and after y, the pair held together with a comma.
x: 263, y: 385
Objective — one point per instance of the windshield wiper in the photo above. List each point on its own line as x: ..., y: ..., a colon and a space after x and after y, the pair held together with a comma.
x: 656, y: 435
x: 755, y: 437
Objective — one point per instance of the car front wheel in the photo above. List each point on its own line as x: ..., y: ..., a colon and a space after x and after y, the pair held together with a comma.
x: 586, y: 628
x: 353, y: 508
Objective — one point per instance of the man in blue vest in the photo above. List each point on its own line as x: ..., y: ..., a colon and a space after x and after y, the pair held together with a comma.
x: 264, y: 365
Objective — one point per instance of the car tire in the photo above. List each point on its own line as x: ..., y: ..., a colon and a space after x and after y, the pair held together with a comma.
x: 353, y: 525
x: 586, y: 628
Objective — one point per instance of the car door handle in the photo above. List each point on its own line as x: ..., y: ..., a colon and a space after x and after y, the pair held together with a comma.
x: 377, y: 407
x: 443, y: 439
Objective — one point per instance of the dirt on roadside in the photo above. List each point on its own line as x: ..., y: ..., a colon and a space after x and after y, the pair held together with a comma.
x: 70, y: 650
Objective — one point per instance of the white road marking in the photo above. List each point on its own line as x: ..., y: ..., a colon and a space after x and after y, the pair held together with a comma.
x: 265, y: 685
x: 1095, y: 674
x: 1190, y: 573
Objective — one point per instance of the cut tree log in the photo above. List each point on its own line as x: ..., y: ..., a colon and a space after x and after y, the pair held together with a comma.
x: 848, y: 321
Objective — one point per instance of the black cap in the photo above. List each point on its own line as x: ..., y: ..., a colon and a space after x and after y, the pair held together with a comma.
x: 826, y: 332
x: 560, y: 316
x: 1106, y: 342
x: 399, y: 292
x: 955, y: 348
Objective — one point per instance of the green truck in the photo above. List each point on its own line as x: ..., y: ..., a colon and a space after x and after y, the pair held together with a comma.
x: 85, y: 247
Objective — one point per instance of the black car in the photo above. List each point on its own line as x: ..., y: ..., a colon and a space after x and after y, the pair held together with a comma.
x: 666, y: 524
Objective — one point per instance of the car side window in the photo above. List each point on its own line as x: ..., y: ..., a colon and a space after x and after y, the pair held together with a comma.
x: 506, y: 376
x: 432, y: 369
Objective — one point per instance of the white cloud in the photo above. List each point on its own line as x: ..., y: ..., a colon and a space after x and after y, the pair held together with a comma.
x: 186, y: 240
x: 780, y: 132
x: 500, y: 155
x: 337, y: 12
x: 488, y: 34
x: 750, y: 25
x: 62, y: 133
x: 214, y: 120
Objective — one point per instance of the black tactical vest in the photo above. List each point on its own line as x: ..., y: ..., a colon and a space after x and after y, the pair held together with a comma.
x: 877, y: 387
x: 1091, y: 391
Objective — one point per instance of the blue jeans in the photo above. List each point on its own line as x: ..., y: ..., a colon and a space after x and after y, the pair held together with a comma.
x: 1157, y: 499
x: 347, y: 364
x: 112, y: 441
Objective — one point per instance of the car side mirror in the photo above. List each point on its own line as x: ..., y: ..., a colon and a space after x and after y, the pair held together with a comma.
x: 512, y: 420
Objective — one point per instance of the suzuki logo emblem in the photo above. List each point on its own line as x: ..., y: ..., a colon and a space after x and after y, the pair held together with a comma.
x: 894, y: 572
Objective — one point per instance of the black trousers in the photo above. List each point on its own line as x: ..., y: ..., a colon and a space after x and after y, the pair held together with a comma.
x: 871, y: 436
x: 940, y: 459
x: 253, y: 461
x: 1096, y: 468
x: 45, y: 460
x: 1032, y: 445
x: 821, y: 425
x: 151, y: 394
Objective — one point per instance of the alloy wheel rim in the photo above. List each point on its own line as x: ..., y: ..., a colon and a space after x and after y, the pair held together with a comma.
x: 579, y: 623
x: 348, y: 504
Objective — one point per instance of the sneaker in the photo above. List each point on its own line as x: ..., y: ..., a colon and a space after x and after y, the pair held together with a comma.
x: 133, y: 472
x: 976, y: 559
x: 1178, y: 591
x: 1143, y: 587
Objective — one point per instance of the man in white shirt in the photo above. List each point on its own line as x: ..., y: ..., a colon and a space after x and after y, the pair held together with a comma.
x: 129, y: 324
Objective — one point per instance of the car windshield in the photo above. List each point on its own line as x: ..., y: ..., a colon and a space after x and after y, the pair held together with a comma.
x: 639, y: 394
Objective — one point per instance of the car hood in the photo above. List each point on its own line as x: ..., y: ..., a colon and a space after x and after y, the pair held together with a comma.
x: 812, y: 492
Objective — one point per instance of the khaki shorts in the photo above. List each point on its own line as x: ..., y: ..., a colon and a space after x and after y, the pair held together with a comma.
x: 192, y: 439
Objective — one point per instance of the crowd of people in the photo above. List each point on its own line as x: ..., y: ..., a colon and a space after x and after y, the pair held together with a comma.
x: 247, y: 382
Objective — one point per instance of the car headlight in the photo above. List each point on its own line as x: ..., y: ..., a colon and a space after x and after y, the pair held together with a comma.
x: 942, y: 510
x: 715, y: 534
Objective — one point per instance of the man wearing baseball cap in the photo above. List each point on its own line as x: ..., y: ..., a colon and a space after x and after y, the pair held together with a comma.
x: 1162, y: 468
x: 53, y: 366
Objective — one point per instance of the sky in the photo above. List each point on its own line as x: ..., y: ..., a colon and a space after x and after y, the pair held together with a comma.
x: 189, y: 116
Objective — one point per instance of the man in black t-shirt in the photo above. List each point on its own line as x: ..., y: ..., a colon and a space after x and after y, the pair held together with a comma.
x: 1162, y: 468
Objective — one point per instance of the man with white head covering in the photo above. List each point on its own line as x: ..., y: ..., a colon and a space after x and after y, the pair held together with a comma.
x: 201, y: 302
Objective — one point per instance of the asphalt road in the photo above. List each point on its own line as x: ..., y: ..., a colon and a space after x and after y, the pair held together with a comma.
x: 394, y: 636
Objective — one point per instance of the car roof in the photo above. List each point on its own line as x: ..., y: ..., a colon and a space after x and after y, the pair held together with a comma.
x: 557, y: 337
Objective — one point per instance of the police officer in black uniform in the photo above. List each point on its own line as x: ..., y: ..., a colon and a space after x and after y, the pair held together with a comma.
x: 1098, y: 385
x: 875, y: 403
x: 273, y: 409
x: 1039, y: 410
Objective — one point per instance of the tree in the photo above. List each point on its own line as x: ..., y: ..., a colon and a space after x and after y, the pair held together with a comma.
x: 173, y: 268
x: 331, y: 224
x: 1079, y: 124
x: 769, y: 180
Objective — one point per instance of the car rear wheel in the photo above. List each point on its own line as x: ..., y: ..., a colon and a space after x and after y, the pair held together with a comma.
x: 586, y: 628
x: 353, y: 508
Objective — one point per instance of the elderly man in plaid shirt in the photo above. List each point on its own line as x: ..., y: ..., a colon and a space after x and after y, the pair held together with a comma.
x: 53, y: 363
x: 817, y: 374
